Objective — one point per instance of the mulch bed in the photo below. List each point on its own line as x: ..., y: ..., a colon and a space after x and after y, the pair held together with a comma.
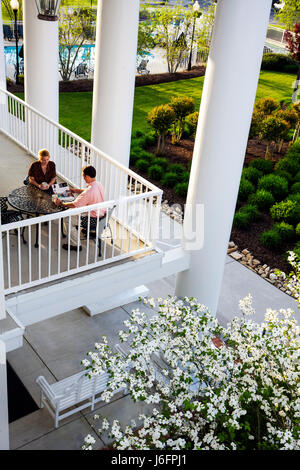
x: 86, y: 84
x: 182, y: 153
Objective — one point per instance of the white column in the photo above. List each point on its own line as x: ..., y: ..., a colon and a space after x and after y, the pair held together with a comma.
x: 4, y: 433
x: 224, y: 120
x: 40, y: 61
x: 114, y: 79
x: 2, y: 56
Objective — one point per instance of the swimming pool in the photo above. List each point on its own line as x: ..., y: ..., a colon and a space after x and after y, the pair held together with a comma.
x: 86, y: 54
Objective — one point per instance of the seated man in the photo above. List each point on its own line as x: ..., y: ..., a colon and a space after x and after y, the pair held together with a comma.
x: 93, y: 194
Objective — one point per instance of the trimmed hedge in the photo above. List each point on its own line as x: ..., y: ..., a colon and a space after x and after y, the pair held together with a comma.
x: 155, y: 172
x: 170, y: 179
x: 244, y: 216
x: 252, y: 174
x: 261, y: 164
x: 279, y: 63
x: 289, y: 164
x: 246, y: 188
x: 295, y: 188
x: 276, y: 185
x: 181, y: 189
x: 262, y: 199
x: 142, y: 165
x: 286, y: 231
x: 286, y: 211
x: 271, y: 239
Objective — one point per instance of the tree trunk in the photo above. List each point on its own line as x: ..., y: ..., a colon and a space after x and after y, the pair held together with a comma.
x: 295, y: 93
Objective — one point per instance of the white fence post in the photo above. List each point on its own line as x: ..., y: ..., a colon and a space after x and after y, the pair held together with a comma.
x: 4, y: 432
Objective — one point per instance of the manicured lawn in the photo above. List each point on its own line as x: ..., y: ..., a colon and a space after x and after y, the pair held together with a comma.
x: 75, y: 108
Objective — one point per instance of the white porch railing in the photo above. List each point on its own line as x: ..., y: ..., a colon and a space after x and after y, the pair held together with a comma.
x: 134, y: 221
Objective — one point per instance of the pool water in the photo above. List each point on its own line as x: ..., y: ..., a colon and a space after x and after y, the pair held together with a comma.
x: 86, y: 54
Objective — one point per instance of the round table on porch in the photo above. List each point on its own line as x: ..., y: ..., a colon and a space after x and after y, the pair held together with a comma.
x: 34, y: 202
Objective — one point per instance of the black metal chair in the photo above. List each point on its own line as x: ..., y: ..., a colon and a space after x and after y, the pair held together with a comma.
x: 102, y: 223
x: 9, y: 216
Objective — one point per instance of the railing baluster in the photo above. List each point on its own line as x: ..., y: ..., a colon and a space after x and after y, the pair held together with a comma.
x: 8, y: 259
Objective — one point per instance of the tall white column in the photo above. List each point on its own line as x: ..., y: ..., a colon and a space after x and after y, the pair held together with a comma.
x: 40, y: 61
x: 4, y: 433
x: 2, y: 56
x: 114, y: 79
x: 224, y: 120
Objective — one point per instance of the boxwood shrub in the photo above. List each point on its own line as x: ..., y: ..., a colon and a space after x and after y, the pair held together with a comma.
x: 279, y: 63
x: 181, y: 189
x: 295, y: 188
x: 298, y: 230
x: 284, y: 174
x: 252, y: 174
x: 155, y: 172
x: 289, y: 164
x: 161, y: 161
x: 262, y: 199
x: 296, y: 178
x: 170, y: 179
x: 286, y: 231
x: 266, y: 166
x: 246, y: 188
x: 142, y: 165
x: 276, y: 185
x: 176, y: 168
x: 286, y: 211
x: 271, y: 239
x: 244, y: 216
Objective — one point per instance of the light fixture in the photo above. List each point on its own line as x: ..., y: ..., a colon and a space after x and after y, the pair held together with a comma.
x: 48, y: 9
x: 14, y: 5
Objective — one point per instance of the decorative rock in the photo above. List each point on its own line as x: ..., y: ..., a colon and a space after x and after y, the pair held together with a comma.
x: 236, y: 255
x: 273, y: 277
x: 231, y: 250
x: 231, y: 244
x: 245, y: 252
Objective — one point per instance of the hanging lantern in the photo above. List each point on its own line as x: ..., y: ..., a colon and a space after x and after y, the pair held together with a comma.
x: 48, y: 9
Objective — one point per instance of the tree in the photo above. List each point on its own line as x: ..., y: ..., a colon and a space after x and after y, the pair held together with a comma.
x: 161, y: 118
x: 74, y: 29
x: 204, y: 31
x: 182, y: 106
x: 288, y: 12
x: 173, y: 26
x: 273, y: 129
x: 145, y: 35
x: 293, y: 45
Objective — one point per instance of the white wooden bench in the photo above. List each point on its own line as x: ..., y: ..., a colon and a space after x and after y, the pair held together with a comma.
x: 73, y: 394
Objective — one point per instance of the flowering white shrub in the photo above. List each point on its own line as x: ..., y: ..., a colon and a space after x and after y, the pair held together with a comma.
x: 211, y: 387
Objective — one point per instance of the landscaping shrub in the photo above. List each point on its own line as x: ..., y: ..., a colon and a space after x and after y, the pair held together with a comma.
x: 286, y: 231
x: 182, y: 107
x: 297, y: 177
x: 279, y: 63
x: 161, y: 161
x: 161, y: 118
x: 266, y: 105
x: 276, y: 185
x: 142, y: 165
x: 284, y: 174
x: 241, y: 220
x: 181, y: 189
x: 297, y: 250
x: 271, y: 239
x: 155, y: 172
x: 246, y: 188
x: 286, y: 211
x: 262, y: 199
x: 252, y: 174
x: 170, y: 179
x: 288, y: 164
x: 261, y: 164
x: 274, y: 129
x: 295, y: 188
x: 136, y: 134
x: 244, y: 216
x: 191, y: 122
x: 297, y: 230
x: 293, y: 197
x: 176, y: 168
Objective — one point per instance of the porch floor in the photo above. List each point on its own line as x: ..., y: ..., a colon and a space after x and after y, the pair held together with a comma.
x: 14, y: 164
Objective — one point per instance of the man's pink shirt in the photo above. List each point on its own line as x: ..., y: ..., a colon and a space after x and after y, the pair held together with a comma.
x: 93, y: 194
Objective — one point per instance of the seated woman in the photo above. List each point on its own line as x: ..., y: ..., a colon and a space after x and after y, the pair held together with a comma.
x: 42, y: 173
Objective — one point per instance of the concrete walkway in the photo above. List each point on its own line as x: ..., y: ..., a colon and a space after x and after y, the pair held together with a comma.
x: 55, y: 347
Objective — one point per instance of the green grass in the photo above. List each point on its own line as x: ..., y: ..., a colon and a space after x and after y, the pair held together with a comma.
x: 75, y: 108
